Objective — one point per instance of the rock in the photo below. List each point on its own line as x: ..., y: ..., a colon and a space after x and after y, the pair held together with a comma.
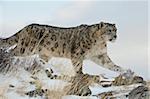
x: 140, y: 92
x: 105, y: 95
x: 120, y: 80
x: 138, y: 79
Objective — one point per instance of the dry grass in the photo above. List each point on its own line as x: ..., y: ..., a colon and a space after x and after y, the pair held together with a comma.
x: 3, y: 91
x: 80, y: 85
x: 52, y: 94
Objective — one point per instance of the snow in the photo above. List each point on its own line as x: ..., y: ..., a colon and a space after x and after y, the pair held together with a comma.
x: 21, y: 78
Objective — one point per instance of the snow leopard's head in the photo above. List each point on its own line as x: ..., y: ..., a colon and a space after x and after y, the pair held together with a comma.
x: 109, y: 31
x: 106, y: 31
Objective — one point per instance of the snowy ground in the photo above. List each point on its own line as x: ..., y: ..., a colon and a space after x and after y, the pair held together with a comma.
x: 20, y: 79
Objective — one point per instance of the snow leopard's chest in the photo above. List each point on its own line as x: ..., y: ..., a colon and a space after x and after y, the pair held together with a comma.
x: 97, y: 49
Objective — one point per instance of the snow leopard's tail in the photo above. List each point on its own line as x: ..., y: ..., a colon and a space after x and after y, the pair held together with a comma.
x: 2, y: 42
x: 14, y: 39
x: 8, y: 42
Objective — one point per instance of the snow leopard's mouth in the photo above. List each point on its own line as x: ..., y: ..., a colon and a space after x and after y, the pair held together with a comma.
x: 112, y: 40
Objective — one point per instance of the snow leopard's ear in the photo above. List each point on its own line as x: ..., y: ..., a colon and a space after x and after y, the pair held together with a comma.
x: 101, y: 24
x: 114, y: 24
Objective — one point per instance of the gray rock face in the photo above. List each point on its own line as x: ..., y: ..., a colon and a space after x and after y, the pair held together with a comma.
x: 141, y: 92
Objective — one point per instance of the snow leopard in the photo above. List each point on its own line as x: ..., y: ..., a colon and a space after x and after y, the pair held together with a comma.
x: 76, y: 43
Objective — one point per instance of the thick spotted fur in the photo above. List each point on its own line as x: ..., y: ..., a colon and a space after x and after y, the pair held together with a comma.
x: 76, y: 43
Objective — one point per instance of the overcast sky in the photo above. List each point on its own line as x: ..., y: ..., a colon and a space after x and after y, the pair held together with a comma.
x: 131, y: 18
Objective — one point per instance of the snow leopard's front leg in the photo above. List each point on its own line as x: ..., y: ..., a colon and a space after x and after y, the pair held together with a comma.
x: 77, y: 64
x: 105, y: 61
